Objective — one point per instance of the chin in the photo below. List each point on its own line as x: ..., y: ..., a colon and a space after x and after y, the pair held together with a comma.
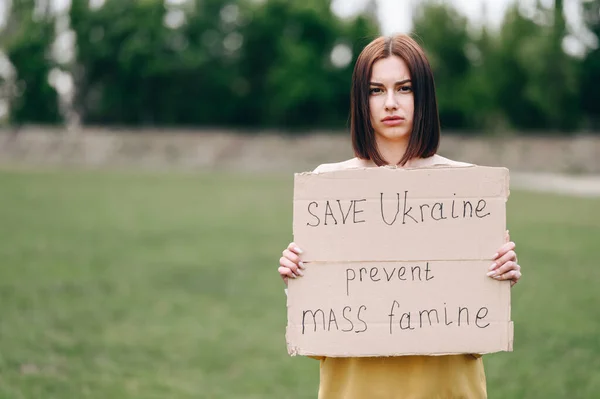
x: 394, y: 133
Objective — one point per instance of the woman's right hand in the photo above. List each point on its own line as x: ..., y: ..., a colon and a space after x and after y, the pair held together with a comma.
x: 290, y: 265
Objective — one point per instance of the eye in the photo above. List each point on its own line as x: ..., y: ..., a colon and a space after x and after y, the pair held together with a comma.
x: 405, y: 89
x: 374, y: 90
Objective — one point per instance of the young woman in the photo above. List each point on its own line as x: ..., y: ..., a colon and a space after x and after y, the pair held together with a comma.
x: 394, y: 121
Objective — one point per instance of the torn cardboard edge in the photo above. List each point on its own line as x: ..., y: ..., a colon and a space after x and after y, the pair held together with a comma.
x: 294, y: 350
x: 386, y: 202
x: 429, y: 294
x: 392, y: 167
x: 303, y: 177
x: 439, y: 166
x: 376, y: 242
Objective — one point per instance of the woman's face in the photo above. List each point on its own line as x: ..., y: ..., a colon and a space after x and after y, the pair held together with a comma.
x: 391, y: 100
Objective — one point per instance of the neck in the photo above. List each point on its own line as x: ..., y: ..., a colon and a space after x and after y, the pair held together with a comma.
x: 391, y: 151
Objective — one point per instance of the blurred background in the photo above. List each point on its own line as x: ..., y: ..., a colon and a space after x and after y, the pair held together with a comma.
x: 147, y: 152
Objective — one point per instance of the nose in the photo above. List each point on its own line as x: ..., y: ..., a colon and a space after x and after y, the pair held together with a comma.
x: 391, y: 104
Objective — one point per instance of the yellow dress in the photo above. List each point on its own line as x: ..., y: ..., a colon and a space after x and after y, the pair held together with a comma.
x: 404, y: 377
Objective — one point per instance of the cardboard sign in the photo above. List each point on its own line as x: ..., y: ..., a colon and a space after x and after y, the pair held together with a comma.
x: 396, y: 262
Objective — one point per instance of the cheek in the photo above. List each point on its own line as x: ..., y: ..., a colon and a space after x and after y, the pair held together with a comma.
x: 372, y: 103
x: 409, y: 106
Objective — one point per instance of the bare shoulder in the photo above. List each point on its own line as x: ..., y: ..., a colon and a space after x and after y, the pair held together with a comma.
x: 359, y: 163
x: 330, y: 167
x: 440, y: 160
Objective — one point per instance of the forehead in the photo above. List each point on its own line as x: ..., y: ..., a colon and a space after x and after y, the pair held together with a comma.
x: 389, y: 70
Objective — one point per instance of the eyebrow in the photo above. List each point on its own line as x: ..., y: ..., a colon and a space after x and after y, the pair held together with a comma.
x: 396, y: 84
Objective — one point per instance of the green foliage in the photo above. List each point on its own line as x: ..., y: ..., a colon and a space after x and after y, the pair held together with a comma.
x: 165, y: 286
x: 590, y: 67
x: 118, y: 48
x: 520, y: 39
x: 287, y: 61
x: 26, y: 43
x: 443, y: 34
x: 519, y: 78
x: 545, y: 74
x: 229, y: 63
x: 256, y: 64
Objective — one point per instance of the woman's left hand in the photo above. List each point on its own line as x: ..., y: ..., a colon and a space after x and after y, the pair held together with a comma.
x: 505, y: 266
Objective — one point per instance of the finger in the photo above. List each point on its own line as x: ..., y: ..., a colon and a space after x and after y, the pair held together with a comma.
x: 294, y: 248
x: 293, y: 257
x: 509, y: 246
x: 505, y: 268
x: 507, y: 237
x: 510, y: 256
x: 285, y: 272
x: 285, y: 262
x: 285, y: 278
x: 513, y: 275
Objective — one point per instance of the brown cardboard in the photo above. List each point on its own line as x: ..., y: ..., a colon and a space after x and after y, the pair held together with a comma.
x: 384, y: 279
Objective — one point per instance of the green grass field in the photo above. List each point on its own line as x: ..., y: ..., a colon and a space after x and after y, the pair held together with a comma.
x: 122, y: 285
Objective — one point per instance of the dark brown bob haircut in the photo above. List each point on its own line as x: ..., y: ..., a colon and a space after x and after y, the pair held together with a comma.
x: 425, y: 135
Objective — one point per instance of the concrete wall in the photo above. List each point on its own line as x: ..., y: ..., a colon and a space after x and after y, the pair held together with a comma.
x: 209, y: 150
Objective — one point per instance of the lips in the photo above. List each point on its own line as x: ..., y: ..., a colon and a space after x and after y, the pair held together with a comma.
x: 392, y: 120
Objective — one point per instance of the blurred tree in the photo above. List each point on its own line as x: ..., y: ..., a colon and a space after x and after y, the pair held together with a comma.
x: 590, y: 68
x: 481, y: 101
x: 298, y: 59
x: 442, y: 32
x: 520, y: 77
x: 118, y: 48
x: 533, y: 80
x: 212, y: 88
x: 554, y: 78
x: 215, y: 62
x: 27, y: 41
x: 510, y: 69
x: 288, y: 63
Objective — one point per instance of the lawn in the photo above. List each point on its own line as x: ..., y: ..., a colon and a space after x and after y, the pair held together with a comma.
x: 138, y: 285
